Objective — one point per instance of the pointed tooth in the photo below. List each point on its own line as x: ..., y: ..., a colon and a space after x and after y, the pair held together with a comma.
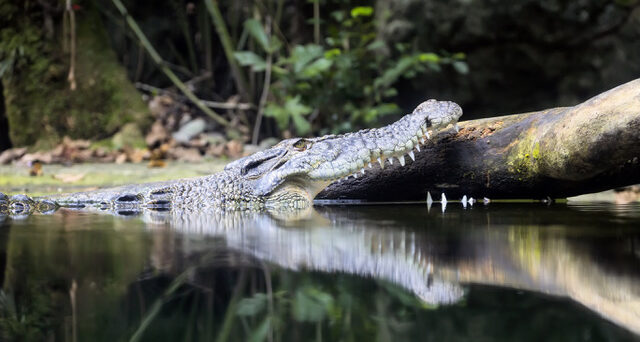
x: 362, y: 170
x: 390, y: 160
x: 355, y: 175
x: 370, y: 166
x: 429, y: 199
x: 401, y: 159
x: 456, y: 127
x: 413, y: 156
x: 464, y: 199
x: 428, y: 135
x: 422, y: 141
x: 443, y: 199
x: 418, y: 147
x: 381, y: 162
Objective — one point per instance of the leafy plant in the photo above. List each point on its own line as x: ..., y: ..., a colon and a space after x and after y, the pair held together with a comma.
x: 345, y: 83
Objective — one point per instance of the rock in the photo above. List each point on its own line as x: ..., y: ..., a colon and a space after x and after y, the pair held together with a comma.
x: 215, y: 138
x: 42, y: 157
x: 191, y: 155
x: 522, y: 55
x: 189, y: 130
x: 12, y: 154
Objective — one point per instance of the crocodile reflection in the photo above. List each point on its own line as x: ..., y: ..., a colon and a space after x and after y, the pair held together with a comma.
x: 432, y: 262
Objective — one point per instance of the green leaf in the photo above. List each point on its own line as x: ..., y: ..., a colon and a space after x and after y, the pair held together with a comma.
x: 392, y: 74
x: 332, y: 53
x: 461, y: 67
x: 256, y: 31
x: 361, y: 11
x: 302, y: 125
x: 311, y: 305
x: 304, y: 54
x: 316, y: 68
x: 249, y: 58
x: 251, y: 306
x: 459, y: 55
x: 278, y: 113
x: 260, y: 334
x: 294, y: 110
x: 294, y: 107
x: 429, y: 57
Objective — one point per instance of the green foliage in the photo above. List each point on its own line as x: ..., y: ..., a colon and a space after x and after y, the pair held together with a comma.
x: 292, y: 109
x: 311, y: 304
x: 348, y: 82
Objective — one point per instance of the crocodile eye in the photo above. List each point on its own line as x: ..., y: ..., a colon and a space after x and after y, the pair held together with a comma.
x: 302, y: 144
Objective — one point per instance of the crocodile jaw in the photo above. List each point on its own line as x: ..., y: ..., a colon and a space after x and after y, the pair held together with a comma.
x: 335, y: 157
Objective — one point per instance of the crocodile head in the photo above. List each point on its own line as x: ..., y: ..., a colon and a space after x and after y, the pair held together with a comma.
x: 302, y: 167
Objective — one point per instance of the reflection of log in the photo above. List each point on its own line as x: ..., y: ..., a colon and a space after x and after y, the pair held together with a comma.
x: 556, y: 152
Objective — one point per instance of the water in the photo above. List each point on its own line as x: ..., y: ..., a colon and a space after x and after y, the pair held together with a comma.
x: 505, y: 272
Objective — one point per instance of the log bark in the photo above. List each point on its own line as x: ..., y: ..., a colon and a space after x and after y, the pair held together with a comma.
x: 554, y: 153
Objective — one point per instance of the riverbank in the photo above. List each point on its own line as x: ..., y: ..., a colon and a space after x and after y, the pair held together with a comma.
x: 87, y: 176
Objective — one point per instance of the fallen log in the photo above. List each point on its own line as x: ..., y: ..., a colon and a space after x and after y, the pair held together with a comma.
x: 553, y: 153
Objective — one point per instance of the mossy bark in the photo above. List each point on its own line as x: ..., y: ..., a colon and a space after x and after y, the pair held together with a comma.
x: 40, y: 105
x: 551, y: 153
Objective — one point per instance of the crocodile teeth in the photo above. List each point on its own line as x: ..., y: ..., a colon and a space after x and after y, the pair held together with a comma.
x: 390, y: 160
x: 443, y: 199
x: 401, y: 159
x: 381, y: 162
x: 429, y: 199
x: 355, y: 175
x: 370, y: 166
x: 362, y: 170
x: 423, y: 141
x: 413, y: 157
x: 428, y: 135
x: 418, y: 147
x: 456, y: 127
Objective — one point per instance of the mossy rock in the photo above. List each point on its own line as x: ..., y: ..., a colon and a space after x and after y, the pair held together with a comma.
x: 42, y: 108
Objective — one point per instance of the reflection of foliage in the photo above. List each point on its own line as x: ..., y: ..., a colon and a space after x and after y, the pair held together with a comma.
x: 348, y: 81
x: 29, y: 321
x: 300, y: 307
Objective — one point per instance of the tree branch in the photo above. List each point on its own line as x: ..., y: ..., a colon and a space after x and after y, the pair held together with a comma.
x: 553, y: 153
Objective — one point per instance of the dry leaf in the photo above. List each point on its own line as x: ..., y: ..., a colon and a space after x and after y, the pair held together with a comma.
x: 69, y: 177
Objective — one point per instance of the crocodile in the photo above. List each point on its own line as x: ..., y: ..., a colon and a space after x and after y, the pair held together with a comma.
x: 286, y: 176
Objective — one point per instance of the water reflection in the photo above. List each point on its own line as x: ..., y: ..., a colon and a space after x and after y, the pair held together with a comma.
x: 269, y: 270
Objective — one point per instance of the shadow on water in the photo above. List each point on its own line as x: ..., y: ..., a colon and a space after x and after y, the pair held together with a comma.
x: 394, y: 272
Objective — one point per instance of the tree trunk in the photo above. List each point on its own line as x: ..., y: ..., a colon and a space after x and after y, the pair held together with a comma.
x: 5, y: 142
x: 552, y: 153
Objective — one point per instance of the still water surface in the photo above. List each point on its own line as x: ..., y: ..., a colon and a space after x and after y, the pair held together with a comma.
x: 510, y: 272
